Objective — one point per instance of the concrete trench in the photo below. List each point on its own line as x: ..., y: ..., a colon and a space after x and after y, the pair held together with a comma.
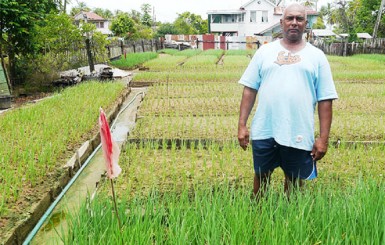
x: 86, y: 182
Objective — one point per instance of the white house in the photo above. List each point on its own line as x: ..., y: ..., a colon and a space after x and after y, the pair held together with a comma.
x: 255, y: 18
x: 101, y: 24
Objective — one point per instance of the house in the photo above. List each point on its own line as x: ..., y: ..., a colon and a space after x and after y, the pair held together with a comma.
x: 323, y: 33
x: 360, y: 35
x: 101, y: 24
x: 255, y: 18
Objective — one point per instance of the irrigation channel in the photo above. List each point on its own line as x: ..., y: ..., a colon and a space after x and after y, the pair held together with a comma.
x: 85, y: 183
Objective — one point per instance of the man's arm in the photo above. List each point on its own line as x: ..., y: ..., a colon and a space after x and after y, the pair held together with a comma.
x: 247, y: 103
x: 325, y: 113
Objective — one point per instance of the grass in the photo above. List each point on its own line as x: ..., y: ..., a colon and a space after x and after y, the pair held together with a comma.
x: 169, y: 51
x: 224, y: 215
x: 199, y: 192
x: 32, y: 148
x: 133, y: 60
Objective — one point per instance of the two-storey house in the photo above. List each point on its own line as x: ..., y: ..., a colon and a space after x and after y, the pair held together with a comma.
x: 255, y: 18
x: 102, y: 25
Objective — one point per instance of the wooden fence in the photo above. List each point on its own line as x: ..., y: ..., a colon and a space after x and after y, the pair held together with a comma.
x: 118, y: 48
x: 369, y: 46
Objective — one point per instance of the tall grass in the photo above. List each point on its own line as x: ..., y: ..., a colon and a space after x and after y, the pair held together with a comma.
x: 224, y: 215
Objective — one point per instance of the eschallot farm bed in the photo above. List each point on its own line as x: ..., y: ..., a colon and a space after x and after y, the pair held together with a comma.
x: 185, y: 179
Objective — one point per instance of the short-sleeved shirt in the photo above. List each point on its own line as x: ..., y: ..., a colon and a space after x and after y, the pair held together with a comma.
x: 289, y: 87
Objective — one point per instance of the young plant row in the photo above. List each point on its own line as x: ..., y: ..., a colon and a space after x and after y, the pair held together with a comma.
x: 189, y: 76
x: 133, y: 60
x: 168, y: 195
x: 36, y: 138
x: 201, y: 193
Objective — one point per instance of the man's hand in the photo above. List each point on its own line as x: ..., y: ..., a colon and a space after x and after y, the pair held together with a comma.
x: 243, y: 137
x: 320, y: 148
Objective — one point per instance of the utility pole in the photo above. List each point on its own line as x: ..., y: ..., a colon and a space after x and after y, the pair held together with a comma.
x: 378, y: 18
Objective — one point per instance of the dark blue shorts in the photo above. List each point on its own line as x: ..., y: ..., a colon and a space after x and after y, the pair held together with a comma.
x: 268, y: 155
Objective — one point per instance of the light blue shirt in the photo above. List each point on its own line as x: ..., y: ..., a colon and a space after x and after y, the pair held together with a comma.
x: 289, y: 87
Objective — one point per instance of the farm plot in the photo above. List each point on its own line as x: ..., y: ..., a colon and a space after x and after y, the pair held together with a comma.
x: 37, y: 140
x: 359, y: 113
x: 164, y: 63
x: 199, y: 191
x: 168, y: 195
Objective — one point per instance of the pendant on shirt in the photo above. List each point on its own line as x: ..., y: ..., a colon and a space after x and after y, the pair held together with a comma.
x: 288, y: 59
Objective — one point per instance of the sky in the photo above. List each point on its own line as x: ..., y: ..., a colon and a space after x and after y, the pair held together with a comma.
x: 167, y: 10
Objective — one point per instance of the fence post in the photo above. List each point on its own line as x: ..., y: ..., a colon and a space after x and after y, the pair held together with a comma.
x: 89, y: 55
x: 143, y: 46
x: 133, y: 46
x: 121, y: 47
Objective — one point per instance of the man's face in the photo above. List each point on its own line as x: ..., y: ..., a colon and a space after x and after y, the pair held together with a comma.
x: 293, y: 23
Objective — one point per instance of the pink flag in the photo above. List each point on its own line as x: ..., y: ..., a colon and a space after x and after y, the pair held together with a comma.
x: 111, y: 150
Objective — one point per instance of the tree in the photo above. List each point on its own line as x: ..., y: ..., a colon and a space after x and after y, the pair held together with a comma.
x: 123, y: 26
x: 329, y: 14
x: 166, y: 28
x: 146, y: 17
x: 17, y: 21
x: 82, y: 6
x: 366, y: 15
x: 319, y: 24
x: 105, y: 13
x: 188, y: 23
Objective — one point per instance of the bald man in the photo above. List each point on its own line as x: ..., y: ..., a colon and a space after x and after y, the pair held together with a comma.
x: 291, y: 78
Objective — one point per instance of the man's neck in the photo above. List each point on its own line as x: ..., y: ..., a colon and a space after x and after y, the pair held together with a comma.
x: 293, y: 46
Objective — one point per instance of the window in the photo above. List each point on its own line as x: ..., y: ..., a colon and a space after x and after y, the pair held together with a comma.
x: 241, y: 18
x: 253, y: 16
x: 264, y: 17
x: 101, y: 25
x: 216, y: 18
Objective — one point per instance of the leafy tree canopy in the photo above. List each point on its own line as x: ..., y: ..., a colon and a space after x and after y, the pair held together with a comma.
x: 123, y: 25
x: 189, y: 23
x: 319, y: 24
x: 146, y: 17
x: 166, y: 28
x: 17, y: 21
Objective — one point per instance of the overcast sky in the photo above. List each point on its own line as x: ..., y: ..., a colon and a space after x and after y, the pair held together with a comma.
x: 167, y: 10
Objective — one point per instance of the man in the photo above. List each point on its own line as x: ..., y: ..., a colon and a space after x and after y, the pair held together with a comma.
x: 291, y: 77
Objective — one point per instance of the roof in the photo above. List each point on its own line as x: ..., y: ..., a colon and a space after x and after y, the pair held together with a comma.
x: 248, y: 3
x: 323, y: 33
x: 310, y: 11
x: 363, y: 35
x: 226, y: 11
x: 89, y: 15
x: 269, y: 28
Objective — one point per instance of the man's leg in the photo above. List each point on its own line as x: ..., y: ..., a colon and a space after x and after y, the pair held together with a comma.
x: 266, y: 159
x: 292, y: 183
x: 298, y: 166
x: 261, y: 182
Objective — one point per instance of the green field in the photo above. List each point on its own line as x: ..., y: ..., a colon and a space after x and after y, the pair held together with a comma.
x: 186, y: 180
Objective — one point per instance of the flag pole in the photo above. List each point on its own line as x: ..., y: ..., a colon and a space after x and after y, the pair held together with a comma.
x: 116, y: 208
